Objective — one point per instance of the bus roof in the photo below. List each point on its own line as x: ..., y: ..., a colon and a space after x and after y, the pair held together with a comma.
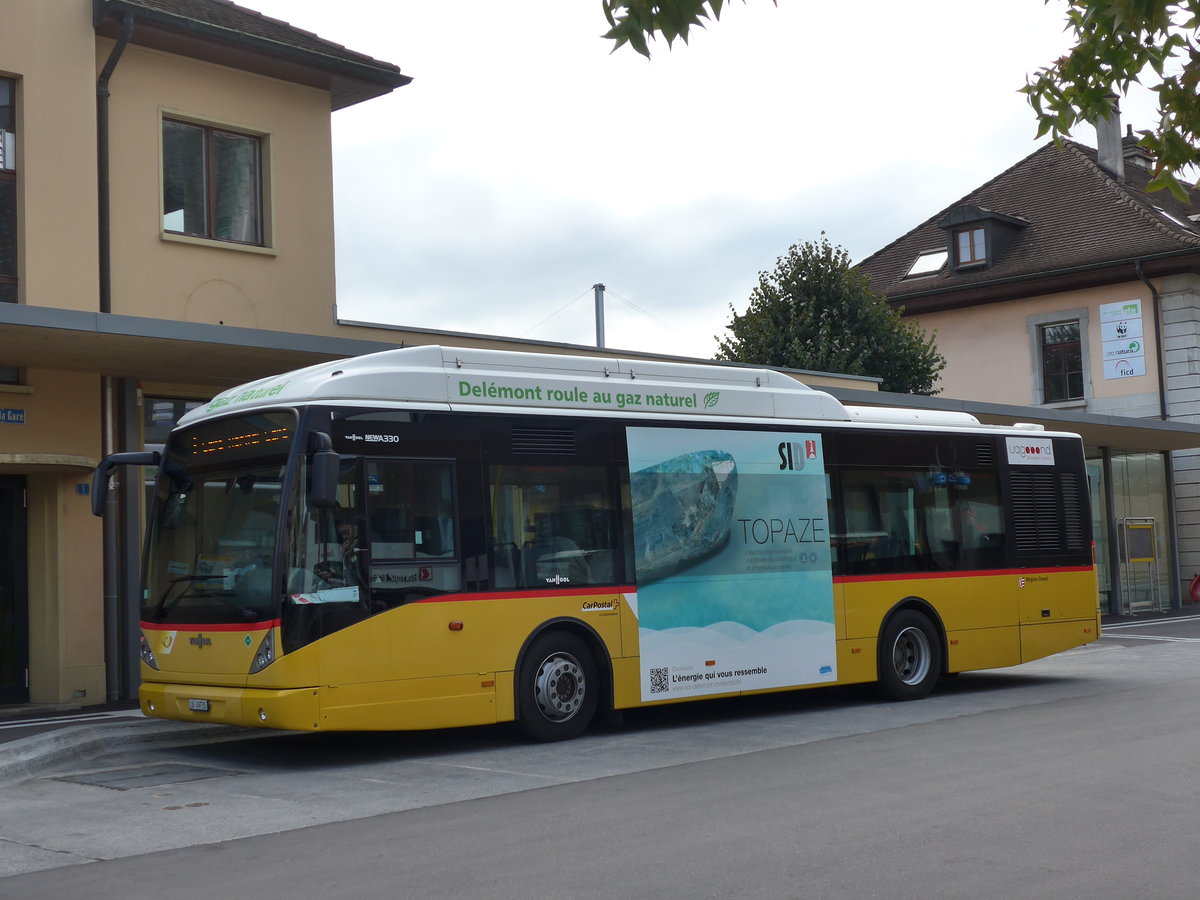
x: 466, y: 378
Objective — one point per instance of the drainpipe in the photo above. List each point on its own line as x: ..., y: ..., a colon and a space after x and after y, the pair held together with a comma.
x: 108, y: 402
x: 102, y: 160
x: 1155, y: 304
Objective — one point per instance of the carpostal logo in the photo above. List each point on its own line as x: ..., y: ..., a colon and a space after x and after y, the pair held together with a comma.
x: 613, y: 605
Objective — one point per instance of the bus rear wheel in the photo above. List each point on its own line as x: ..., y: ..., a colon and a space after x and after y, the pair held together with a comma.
x: 558, y: 687
x: 910, y: 656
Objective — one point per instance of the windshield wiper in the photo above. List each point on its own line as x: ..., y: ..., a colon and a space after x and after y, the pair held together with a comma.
x: 160, y: 610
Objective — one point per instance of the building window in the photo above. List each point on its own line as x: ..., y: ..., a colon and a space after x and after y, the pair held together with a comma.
x: 160, y: 415
x: 212, y: 183
x: 1062, y: 362
x: 8, y: 191
x: 971, y: 246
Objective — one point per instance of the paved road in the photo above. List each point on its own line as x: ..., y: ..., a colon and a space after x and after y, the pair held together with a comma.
x: 1068, y: 777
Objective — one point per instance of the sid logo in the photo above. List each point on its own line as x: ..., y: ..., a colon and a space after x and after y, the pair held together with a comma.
x: 792, y: 454
x: 200, y: 642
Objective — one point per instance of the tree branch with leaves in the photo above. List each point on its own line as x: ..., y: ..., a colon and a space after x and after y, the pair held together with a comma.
x: 636, y: 22
x: 1118, y: 43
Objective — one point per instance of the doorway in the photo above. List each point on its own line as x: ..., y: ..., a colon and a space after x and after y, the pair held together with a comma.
x: 14, y: 593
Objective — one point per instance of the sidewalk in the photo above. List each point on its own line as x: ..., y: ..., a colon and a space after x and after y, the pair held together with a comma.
x: 34, y: 737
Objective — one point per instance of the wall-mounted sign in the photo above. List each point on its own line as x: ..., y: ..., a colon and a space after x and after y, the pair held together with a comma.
x: 1124, y: 368
x: 12, y: 417
x: 1123, y: 348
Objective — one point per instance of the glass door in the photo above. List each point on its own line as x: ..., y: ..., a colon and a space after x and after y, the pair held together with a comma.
x: 14, y: 596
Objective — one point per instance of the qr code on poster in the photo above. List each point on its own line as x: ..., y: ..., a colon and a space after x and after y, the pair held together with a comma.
x: 658, y: 681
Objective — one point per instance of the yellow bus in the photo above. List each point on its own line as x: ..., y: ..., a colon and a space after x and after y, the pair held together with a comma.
x: 434, y: 537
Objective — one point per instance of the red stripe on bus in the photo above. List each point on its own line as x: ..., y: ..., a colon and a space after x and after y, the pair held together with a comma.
x: 975, y: 573
x: 520, y: 595
x: 209, y: 626
x: 622, y: 589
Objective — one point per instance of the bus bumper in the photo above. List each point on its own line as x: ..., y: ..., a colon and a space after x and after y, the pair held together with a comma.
x: 295, y: 710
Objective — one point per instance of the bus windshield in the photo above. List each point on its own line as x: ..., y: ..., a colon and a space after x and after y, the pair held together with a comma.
x: 213, y: 522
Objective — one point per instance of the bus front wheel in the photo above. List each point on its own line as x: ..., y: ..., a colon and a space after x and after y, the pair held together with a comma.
x: 558, y: 686
x: 910, y: 656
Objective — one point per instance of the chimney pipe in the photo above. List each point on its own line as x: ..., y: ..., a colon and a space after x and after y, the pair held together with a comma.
x: 1109, y: 151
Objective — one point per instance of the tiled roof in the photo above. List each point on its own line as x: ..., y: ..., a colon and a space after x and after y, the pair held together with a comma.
x: 1079, y: 216
x: 228, y: 15
x: 222, y: 22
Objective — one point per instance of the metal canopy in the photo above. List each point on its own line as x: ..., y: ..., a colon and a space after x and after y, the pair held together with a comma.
x: 1117, y: 432
x: 160, y: 350
x: 221, y: 356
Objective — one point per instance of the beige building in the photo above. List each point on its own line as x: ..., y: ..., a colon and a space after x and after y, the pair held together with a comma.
x: 1062, y: 286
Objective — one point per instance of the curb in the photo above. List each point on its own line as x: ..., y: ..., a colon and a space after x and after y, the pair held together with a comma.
x: 30, y: 757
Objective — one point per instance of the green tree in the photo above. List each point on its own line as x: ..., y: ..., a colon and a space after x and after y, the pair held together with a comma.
x: 1117, y: 43
x: 817, y: 311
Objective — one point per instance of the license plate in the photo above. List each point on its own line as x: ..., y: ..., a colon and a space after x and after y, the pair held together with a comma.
x: 198, y: 705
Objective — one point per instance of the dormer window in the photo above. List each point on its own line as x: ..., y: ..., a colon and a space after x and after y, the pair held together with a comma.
x: 978, y: 238
x: 971, y: 246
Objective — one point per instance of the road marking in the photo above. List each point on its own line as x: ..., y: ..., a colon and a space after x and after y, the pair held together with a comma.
x: 1160, y: 622
x: 73, y: 719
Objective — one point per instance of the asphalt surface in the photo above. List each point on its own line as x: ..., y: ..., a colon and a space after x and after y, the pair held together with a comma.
x: 33, y: 738
x: 1065, y: 778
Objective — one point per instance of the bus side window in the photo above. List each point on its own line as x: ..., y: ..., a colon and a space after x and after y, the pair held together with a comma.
x: 551, y: 526
x: 917, y: 520
x: 413, y: 531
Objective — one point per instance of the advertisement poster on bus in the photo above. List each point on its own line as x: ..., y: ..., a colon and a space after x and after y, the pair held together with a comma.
x: 731, y: 548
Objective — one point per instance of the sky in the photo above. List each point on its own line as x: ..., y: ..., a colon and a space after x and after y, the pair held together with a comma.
x: 526, y: 162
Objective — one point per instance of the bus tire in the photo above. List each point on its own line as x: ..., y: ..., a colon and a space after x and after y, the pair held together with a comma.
x: 910, y: 656
x: 558, y: 687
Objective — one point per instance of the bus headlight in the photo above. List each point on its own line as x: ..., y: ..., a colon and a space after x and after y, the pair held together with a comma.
x: 146, y: 653
x: 265, y: 654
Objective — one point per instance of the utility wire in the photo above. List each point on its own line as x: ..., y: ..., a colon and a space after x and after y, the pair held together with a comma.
x: 555, y: 313
x: 607, y: 292
x: 637, y: 308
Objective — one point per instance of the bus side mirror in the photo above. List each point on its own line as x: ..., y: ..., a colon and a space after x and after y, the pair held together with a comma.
x: 322, y: 489
x: 104, y: 472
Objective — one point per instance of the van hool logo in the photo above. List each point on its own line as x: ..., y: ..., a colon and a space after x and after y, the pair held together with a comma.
x: 200, y: 641
x: 602, y: 605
